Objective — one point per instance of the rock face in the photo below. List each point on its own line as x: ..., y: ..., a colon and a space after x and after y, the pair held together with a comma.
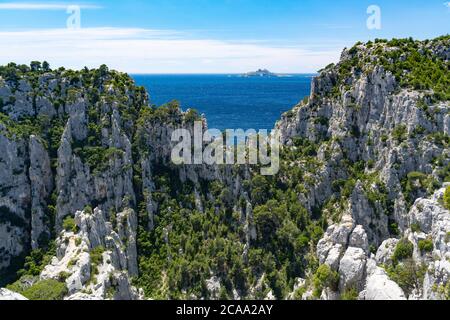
x: 63, y: 146
x: 361, y: 111
x: 86, y: 162
x: 7, y: 295
x: 359, y: 269
x: 41, y: 181
x: 69, y: 142
x: 379, y: 286
x: 97, y: 261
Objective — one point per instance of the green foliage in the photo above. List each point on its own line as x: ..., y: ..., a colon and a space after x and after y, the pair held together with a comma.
x: 20, y: 129
x: 426, y: 245
x: 447, y: 198
x: 400, y: 133
x: 408, y: 275
x: 36, y: 261
x: 324, y: 278
x: 423, y: 71
x: 417, y: 184
x: 96, y: 255
x: 70, y: 225
x: 411, y: 62
x: 350, y: 294
x: 88, y: 209
x: 415, y: 227
x: 191, y: 116
x: 393, y: 229
x: 403, y: 250
x: 46, y: 290
x: 98, y: 158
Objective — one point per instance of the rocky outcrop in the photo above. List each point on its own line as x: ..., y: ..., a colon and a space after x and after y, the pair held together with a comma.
x: 96, y: 261
x: 379, y: 286
x: 379, y: 131
x: 364, y: 113
x: 368, y: 147
x: 345, y: 249
x: 14, y: 198
x: 41, y: 181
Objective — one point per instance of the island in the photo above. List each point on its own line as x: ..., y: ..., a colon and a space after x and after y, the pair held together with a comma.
x: 260, y: 73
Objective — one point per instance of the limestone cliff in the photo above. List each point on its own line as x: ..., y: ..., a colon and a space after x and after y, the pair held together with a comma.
x: 90, y: 203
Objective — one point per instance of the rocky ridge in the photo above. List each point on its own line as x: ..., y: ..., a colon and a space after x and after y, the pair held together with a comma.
x: 363, y: 158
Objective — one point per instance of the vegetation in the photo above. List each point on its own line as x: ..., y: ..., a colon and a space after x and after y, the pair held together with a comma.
x: 447, y: 198
x: 404, y: 250
x: 70, y: 225
x: 408, y: 275
x: 426, y: 245
x: 96, y: 256
x: 412, y: 64
x: 37, y: 260
x: 326, y: 278
x: 42, y: 290
x: 350, y: 294
x: 269, y: 246
x: 418, y: 184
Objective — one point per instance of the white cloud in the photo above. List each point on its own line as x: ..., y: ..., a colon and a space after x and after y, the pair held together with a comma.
x: 42, y: 6
x: 447, y: 4
x: 157, y: 51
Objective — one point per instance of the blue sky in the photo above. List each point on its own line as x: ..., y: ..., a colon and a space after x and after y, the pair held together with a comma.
x: 207, y: 36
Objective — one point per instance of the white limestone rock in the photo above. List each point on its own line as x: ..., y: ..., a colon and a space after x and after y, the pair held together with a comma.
x: 334, y: 256
x: 41, y: 180
x: 386, y: 251
x: 7, y: 295
x: 106, y: 277
x: 358, y: 239
x: 379, y: 286
x: 352, y: 269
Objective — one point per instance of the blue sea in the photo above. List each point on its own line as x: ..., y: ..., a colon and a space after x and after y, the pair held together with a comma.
x: 230, y: 101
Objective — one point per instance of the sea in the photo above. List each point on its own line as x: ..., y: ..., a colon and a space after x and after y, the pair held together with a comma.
x: 230, y: 101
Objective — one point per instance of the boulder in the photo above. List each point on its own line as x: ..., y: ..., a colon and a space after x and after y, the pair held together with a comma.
x: 380, y: 287
x: 352, y: 269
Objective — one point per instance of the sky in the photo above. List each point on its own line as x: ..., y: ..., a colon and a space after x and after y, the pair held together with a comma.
x: 207, y: 36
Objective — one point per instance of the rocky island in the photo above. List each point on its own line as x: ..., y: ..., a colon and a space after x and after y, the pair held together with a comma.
x: 92, y: 208
x: 260, y: 73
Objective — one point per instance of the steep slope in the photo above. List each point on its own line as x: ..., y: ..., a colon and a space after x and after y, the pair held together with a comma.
x: 382, y: 118
x: 66, y: 145
x: 91, y: 205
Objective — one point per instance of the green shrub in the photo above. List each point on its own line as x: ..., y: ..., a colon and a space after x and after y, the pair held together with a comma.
x: 70, y: 225
x: 96, y: 256
x: 88, y: 209
x: 447, y: 198
x: 399, y: 133
x: 393, y: 229
x: 404, y: 250
x: 350, y: 294
x: 415, y: 227
x: 46, y: 290
x: 325, y: 278
x: 426, y: 245
x: 408, y: 275
x: 37, y: 260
